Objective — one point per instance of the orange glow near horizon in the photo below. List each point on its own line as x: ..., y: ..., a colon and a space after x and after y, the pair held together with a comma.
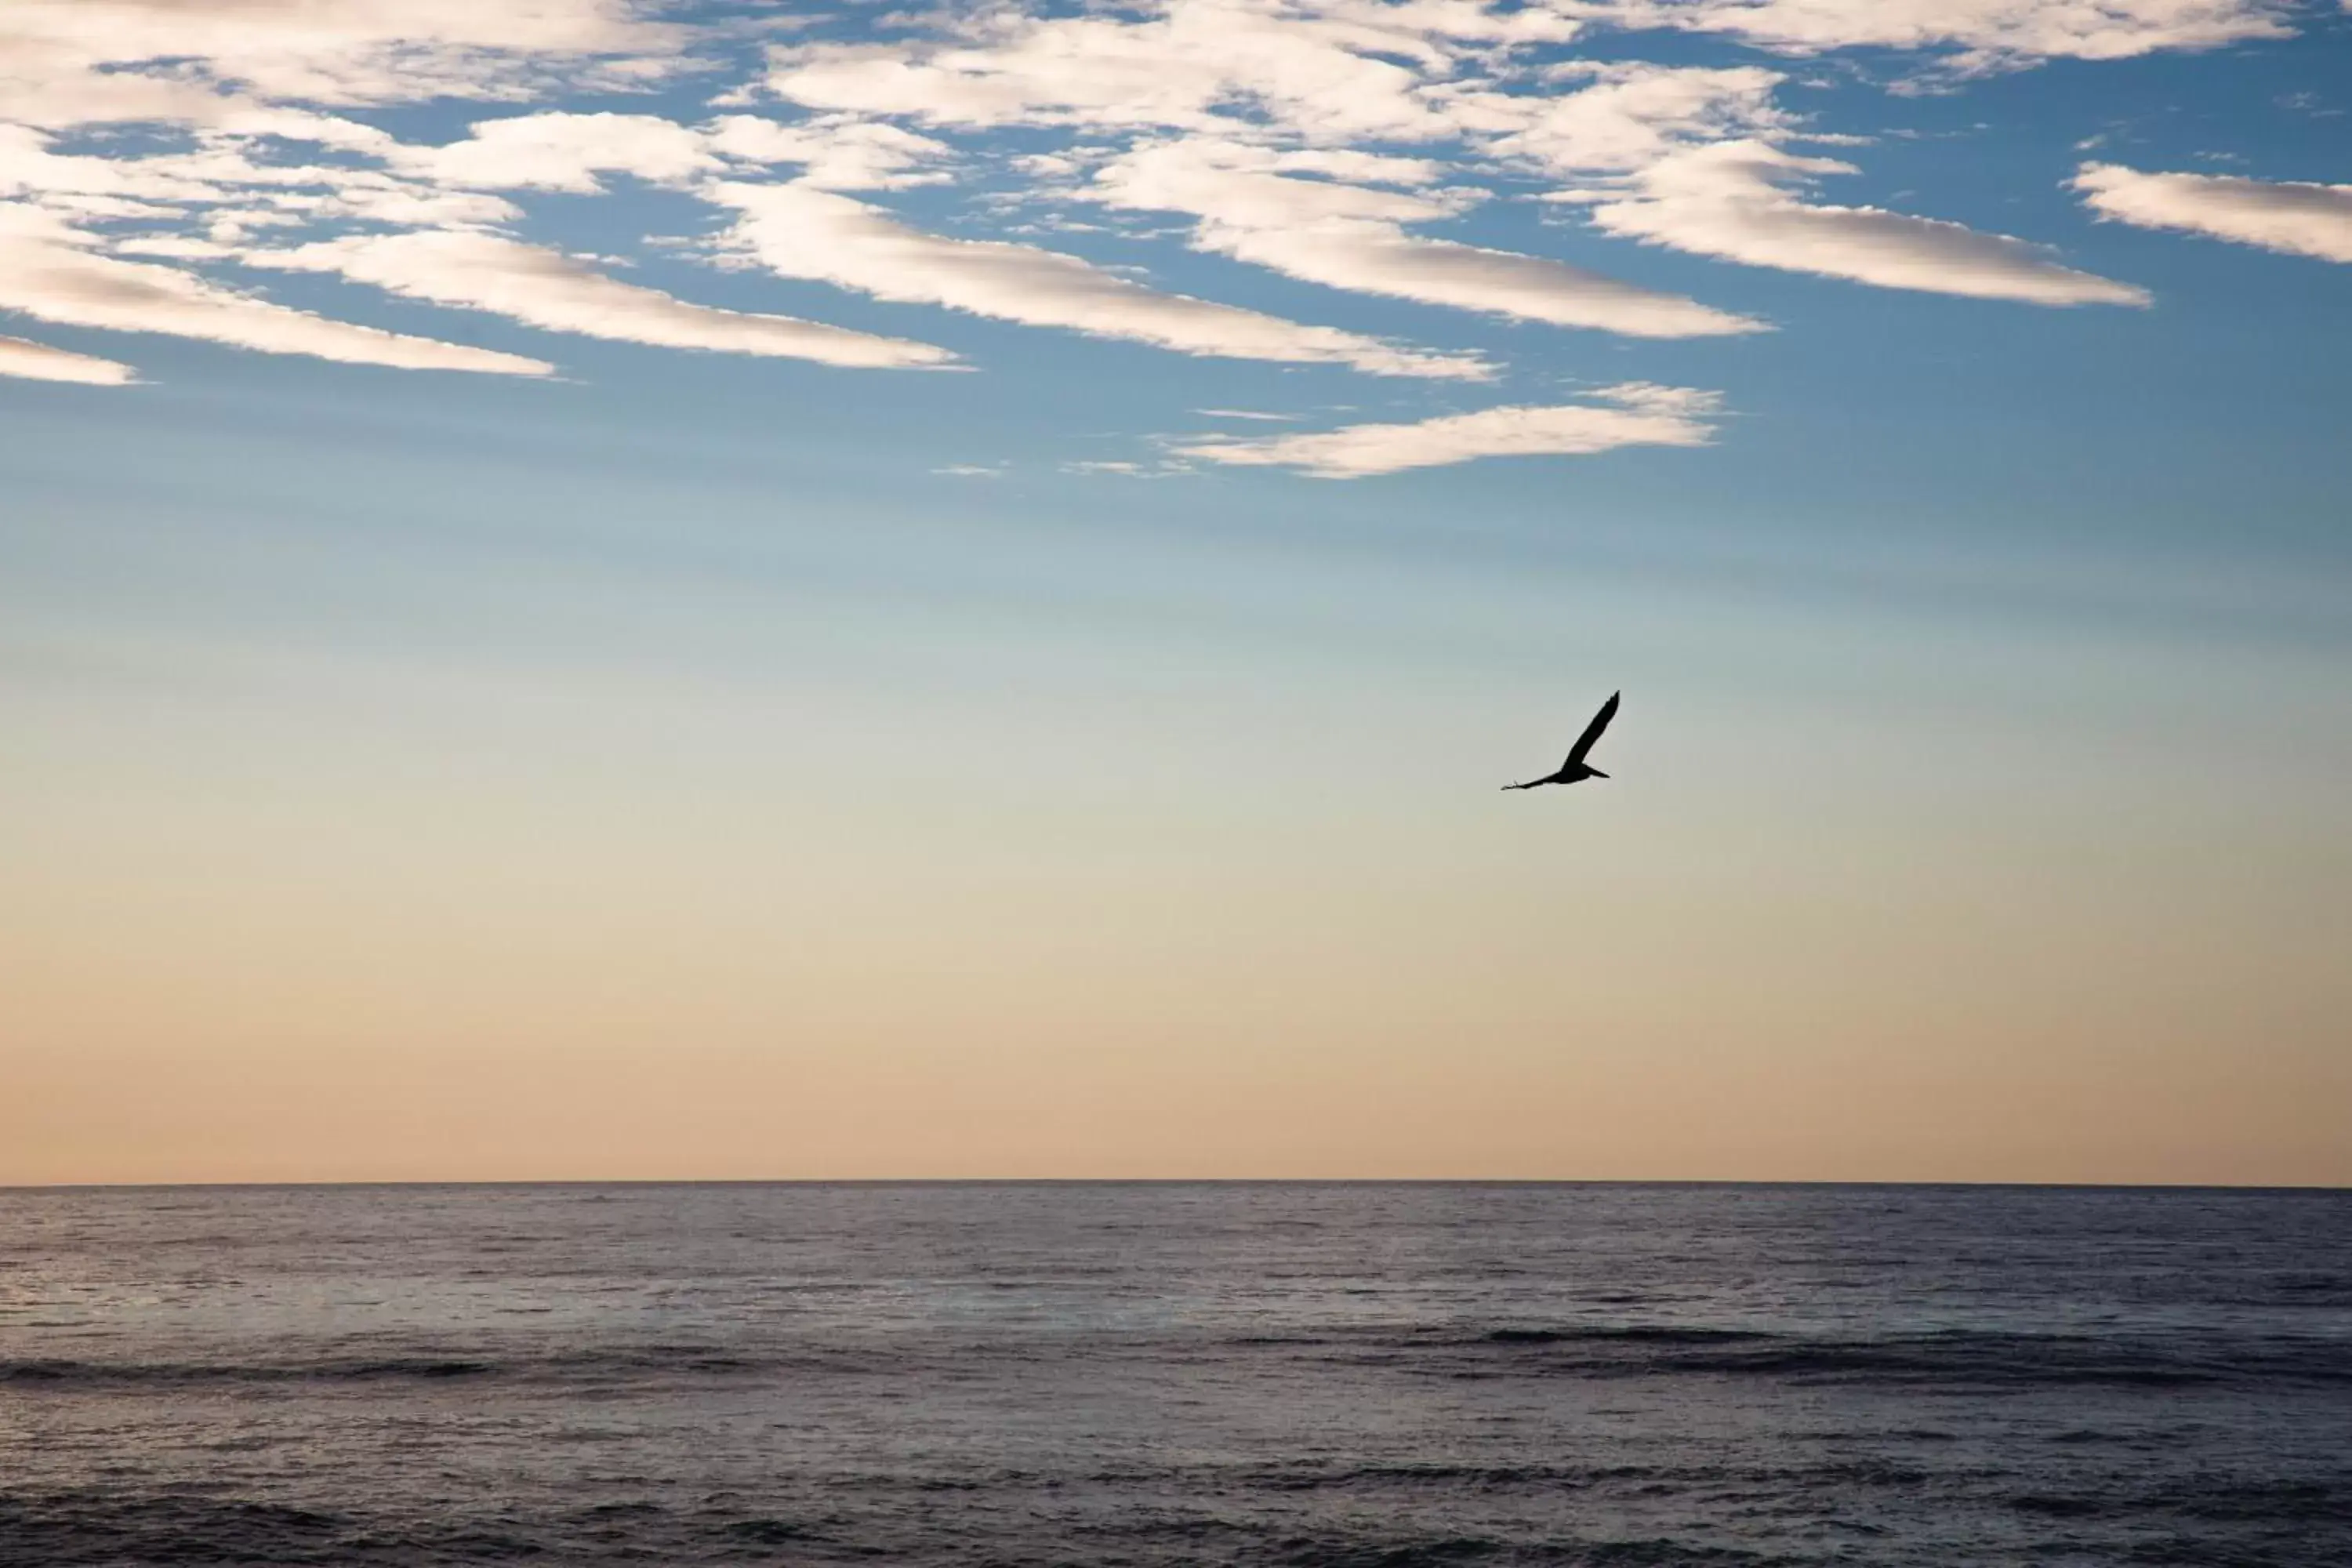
x: 600, y: 589
x: 496, y: 975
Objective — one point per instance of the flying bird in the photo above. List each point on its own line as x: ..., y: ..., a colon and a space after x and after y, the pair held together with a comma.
x: 1573, y: 770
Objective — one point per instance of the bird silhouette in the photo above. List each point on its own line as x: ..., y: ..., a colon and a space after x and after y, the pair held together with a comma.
x: 1573, y: 770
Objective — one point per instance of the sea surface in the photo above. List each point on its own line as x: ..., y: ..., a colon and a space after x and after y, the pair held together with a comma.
x: 1312, y: 1376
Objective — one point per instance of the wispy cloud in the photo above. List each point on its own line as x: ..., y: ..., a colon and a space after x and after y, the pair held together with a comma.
x: 1601, y: 116
x: 75, y: 62
x: 1124, y: 469
x: 1333, y: 71
x: 1985, y: 34
x: 1735, y: 200
x: 2291, y: 215
x: 151, y: 148
x: 557, y: 151
x: 836, y: 153
x: 798, y: 232
x: 1186, y: 114
x: 1352, y: 238
x: 39, y: 362
x: 547, y: 288
x: 1633, y: 413
x: 45, y: 272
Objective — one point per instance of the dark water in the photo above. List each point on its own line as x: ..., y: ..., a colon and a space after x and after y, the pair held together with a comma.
x: 1300, y: 1375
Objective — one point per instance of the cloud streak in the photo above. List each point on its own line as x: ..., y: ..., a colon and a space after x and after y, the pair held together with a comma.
x: 546, y: 289
x: 1330, y: 70
x: 146, y: 146
x: 39, y: 362
x: 1986, y: 34
x: 557, y: 151
x: 1352, y: 238
x: 2294, y: 216
x: 65, y: 62
x: 1633, y: 413
x: 45, y: 273
x: 1733, y: 200
x: 799, y: 232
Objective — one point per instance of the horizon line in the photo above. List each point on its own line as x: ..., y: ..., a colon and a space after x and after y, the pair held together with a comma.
x: 1169, y: 1181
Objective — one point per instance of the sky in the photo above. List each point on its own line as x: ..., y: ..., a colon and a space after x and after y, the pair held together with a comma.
x: 599, y: 589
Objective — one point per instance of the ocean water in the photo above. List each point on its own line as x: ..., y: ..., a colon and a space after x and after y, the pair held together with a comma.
x: 1324, y: 1376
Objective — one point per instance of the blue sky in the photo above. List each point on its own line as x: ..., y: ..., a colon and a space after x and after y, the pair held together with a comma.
x: 1081, y: 474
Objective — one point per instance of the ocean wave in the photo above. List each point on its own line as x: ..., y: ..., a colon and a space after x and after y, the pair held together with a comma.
x: 1606, y: 1351
x: 64, y: 1373
x: 1642, y: 1334
x: 1944, y: 1356
x: 90, y: 1530
x: 1348, y: 1516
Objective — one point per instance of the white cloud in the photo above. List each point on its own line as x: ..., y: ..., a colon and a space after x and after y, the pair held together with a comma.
x: 1127, y: 470
x: 802, y: 233
x: 27, y: 167
x: 47, y: 272
x: 228, y: 198
x: 1330, y: 71
x: 39, y: 362
x: 557, y: 151
x: 2292, y: 216
x: 193, y: 61
x: 836, y: 153
x: 1731, y: 199
x: 222, y: 183
x: 1627, y: 115
x: 1352, y: 238
x: 1986, y: 33
x: 1326, y: 140
x: 1246, y: 414
x: 1203, y: 63
x: 547, y: 288
x: 1380, y: 258
x: 1634, y: 414
x: 402, y: 203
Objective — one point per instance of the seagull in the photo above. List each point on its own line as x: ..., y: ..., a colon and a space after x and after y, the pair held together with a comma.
x: 1573, y: 770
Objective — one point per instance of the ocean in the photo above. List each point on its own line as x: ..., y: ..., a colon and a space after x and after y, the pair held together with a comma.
x: 1305, y: 1375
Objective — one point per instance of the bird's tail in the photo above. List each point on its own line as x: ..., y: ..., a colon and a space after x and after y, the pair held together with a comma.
x: 1594, y: 772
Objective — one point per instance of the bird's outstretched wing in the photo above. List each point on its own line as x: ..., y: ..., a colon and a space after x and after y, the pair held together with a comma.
x: 1592, y: 731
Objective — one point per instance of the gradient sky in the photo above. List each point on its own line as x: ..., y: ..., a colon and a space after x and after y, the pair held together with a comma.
x: 591, y: 589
